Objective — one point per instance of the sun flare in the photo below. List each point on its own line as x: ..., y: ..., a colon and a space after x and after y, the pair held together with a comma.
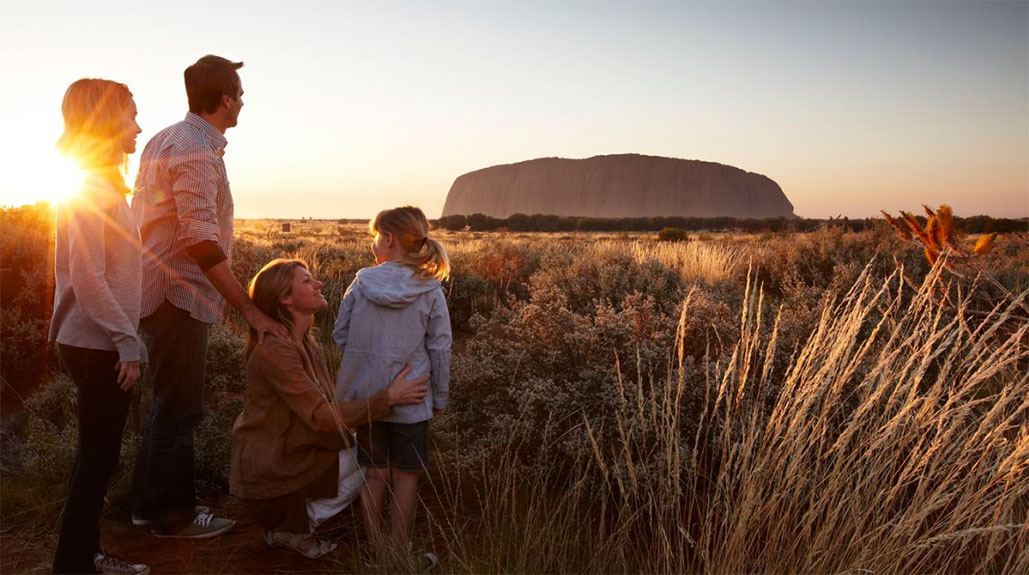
x: 49, y: 177
x: 34, y: 169
x: 61, y: 179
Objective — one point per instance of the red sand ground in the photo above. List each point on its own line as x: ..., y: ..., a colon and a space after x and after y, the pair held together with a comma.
x: 24, y: 550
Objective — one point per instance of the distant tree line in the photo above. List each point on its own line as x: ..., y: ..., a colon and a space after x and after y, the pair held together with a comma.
x: 552, y: 223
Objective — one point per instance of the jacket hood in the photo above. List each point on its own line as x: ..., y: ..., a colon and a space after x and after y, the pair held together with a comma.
x: 393, y: 285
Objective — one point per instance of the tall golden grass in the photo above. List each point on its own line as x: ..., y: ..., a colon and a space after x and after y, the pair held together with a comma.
x: 707, y: 262
x: 893, y: 441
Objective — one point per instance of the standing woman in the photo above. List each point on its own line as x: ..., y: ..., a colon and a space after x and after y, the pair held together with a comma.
x: 96, y: 309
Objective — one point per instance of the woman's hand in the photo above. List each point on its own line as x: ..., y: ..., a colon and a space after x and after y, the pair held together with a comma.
x: 128, y: 373
x: 405, y: 391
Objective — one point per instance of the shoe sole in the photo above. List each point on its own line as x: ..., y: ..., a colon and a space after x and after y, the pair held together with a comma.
x: 141, y: 522
x: 197, y: 536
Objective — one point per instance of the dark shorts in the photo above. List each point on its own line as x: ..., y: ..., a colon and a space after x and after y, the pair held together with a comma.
x: 403, y: 446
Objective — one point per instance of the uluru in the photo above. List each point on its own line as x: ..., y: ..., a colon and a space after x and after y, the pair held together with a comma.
x: 617, y: 186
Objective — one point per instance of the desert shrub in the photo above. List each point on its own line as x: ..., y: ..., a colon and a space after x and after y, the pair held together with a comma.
x: 585, y: 275
x: 26, y: 277
x: 486, y: 274
x: 673, y: 235
x: 51, y: 433
x: 551, y: 360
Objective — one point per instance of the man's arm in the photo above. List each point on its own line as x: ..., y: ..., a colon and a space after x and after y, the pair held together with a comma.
x: 222, y: 279
x: 195, y: 190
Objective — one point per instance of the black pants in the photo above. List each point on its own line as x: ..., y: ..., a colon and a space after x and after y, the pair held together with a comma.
x: 102, y: 409
x: 163, y: 487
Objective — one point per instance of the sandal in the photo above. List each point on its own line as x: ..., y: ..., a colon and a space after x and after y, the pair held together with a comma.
x: 307, y: 545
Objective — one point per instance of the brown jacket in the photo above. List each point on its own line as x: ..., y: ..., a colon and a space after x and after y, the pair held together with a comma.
x: 289, y: 432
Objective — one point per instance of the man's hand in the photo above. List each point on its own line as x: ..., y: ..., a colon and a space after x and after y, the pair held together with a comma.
x: 222, y: 279
x: 263, y: 324
x: 128, y: 374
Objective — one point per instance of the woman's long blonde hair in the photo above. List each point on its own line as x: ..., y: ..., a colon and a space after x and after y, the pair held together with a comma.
x: 424, y: 255
x: 93, y: 123
x: 267, y: 290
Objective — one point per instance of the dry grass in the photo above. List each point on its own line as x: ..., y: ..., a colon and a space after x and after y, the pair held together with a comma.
x: 895, y: 441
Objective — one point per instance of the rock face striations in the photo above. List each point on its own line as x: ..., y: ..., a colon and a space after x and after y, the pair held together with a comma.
x: 618, y: 186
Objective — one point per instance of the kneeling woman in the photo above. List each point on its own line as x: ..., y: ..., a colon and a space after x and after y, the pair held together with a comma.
x: 286, y: 444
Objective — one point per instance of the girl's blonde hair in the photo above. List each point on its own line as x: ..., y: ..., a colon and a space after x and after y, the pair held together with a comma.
x: 267, y: 290
x: 423, y: 254
x: 93, y: 122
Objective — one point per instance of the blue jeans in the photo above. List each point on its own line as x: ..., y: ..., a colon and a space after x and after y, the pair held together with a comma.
x: 163, y: 489
x: 101, y: 409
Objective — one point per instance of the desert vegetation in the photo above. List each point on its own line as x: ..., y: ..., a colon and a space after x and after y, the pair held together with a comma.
x: 824, y: 401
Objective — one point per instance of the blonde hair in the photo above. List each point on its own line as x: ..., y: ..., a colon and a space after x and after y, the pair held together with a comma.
x: 267, y: 289
x: 93, y: 122
x: 424, y: 255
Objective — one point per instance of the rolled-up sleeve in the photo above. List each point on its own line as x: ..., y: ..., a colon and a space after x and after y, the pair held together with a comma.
x: 196, y: 172
x: 438, y: 337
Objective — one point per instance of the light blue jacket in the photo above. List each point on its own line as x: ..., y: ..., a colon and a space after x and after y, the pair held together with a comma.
x: 390, y: 317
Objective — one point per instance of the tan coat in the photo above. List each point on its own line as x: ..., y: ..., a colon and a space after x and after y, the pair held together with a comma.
x: 289, y: 433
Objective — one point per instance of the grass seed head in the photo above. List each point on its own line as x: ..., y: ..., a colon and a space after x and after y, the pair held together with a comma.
x: 901, y: 228
x: 946, y: 235
x: 985, y: 243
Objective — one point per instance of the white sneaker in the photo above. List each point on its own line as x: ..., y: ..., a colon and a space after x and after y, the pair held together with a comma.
x: 204, y: 525
x: 109, y: 565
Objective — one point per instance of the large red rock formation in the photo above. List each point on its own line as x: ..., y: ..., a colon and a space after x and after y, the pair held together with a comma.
x: 618, y: 186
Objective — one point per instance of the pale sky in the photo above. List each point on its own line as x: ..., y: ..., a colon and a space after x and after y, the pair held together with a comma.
x: 353, y: 107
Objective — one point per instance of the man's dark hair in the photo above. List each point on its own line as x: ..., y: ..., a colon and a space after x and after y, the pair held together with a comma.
x: 206, y: 81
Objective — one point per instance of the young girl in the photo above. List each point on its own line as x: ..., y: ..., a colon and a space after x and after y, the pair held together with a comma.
x: 97, y: 259
x: 287, y: 442
x: 392, y: 314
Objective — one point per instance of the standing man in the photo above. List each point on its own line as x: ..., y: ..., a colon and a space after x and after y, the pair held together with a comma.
x: 183, y: 207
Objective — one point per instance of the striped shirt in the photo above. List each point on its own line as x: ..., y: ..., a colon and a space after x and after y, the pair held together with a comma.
x: 182, y: 198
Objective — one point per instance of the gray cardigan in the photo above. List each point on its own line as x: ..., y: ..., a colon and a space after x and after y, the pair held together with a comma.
x: 97, y: 258
x: 390, y: 317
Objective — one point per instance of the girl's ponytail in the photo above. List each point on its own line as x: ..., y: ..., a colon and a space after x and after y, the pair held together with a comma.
x: 424, y: 255
x: 436, y: 263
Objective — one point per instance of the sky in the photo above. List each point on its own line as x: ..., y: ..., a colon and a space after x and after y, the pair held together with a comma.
x: 354, y: 107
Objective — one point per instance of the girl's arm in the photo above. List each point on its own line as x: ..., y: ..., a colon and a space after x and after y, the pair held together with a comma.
x: 437, y: 342
x: 87, y: 215
x: 341, y: 329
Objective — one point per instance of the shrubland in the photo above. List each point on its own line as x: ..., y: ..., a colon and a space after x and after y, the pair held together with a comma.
x: 826, y: 401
